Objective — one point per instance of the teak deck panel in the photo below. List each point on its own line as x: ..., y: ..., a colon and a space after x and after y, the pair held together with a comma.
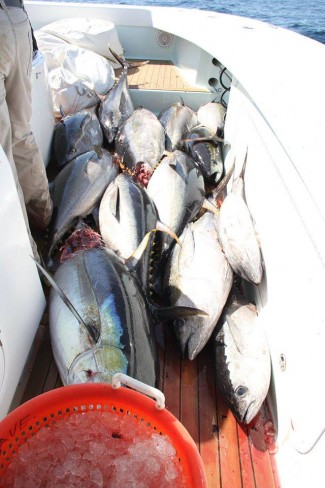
x: 158, y: 75
x: 234, y: 456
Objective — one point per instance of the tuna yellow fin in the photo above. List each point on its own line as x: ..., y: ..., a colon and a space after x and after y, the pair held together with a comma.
x: 210, y: 207
x: 135, y: 257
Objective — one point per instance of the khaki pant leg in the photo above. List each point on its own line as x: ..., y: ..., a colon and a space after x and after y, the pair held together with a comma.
x: 7, y: 56
x: 28, y: 160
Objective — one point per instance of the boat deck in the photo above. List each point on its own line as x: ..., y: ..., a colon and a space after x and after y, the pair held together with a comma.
x: 234, y: 456
x: 158, y: 75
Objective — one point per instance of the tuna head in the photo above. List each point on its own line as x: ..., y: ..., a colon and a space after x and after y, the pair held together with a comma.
x: 197, y: 275
x: 242, y: 359
x: 177, y: 119
x: 140, y: 140
x: 97, y: 365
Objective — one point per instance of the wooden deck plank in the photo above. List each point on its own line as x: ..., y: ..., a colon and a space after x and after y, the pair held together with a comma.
x: 263, y: 470
x: 140, y: 79
x: 145, y: 82
x: 158, y: 75
x: 160, y: 338
x: 228, y: 445
x: 169, y: 69
x: 208, y: 429
x: 51, y: 377
x: 154, y: 79
x: 275, y: 470
x: 58, y: 382
x: 40, y: 370
x: 247, y: 472
x: 172, y: 376
x: 173, y: 77
x: 189, y: 414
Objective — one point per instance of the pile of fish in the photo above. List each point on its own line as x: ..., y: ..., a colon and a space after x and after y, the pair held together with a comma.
x: 150, y: 234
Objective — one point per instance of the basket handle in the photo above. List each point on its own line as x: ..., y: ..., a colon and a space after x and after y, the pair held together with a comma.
x: 119, y: 378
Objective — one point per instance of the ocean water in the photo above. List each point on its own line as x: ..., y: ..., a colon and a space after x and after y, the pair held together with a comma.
x: 307, y: 17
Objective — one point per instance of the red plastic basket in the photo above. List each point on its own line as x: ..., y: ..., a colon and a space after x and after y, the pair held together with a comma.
x: 46, y: 409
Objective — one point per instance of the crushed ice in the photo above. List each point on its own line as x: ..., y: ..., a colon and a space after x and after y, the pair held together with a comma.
x: 96, y: 449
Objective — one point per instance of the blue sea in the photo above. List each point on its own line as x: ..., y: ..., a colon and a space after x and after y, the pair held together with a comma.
x: 307, y: 17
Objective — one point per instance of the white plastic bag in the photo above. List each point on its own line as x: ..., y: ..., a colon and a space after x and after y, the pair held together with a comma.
x: 68, y: 93
x: 92, y: 34
x: 76, y: 75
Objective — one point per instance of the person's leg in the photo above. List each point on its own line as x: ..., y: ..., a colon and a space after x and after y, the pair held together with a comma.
x: 28, y: 160
x: 7, y: 56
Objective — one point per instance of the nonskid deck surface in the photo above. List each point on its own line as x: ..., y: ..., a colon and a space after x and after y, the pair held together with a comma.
x: 234, y: 456
x: 158, y: 75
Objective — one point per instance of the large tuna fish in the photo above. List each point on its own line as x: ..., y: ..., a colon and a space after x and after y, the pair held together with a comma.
x: 126, y: 215
x: 76, y: 134
x: 177, y: 119
x: 198, y: 275
x: 206, y: 152
x: 140, y: 142
x: 177, y: 189
x: 114, y: 332
x: 242, y: 359
x: 117, y: 105
x: 237, y: 235
x: 78, y: 188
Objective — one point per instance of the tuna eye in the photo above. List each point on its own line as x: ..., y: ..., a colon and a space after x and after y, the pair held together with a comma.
x: 179, y: 323
x: 241, y: 391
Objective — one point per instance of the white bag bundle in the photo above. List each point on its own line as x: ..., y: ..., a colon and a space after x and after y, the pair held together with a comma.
x: 68, y: 93
x: 47, y: 41
x: 92, y: 34
x: 76, y: 75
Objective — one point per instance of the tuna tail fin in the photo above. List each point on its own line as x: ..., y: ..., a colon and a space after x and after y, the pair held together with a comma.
x: 119, y: 59
x: 92, y: 331
x: 135, y: 257
x: 138, y: 64
x: 164, y: 228
x: 223, y: 183
x: 163, y: 314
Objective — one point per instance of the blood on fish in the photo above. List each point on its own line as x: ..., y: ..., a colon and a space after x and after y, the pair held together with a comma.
x: 143, y: 172
x: 219, y: 202
x: 90, y: 373
x: 80, y: 240
x: 262, y: 432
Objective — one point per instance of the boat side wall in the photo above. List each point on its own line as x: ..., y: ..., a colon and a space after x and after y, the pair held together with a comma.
x: 21, y: 296
x: 290, y: 298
